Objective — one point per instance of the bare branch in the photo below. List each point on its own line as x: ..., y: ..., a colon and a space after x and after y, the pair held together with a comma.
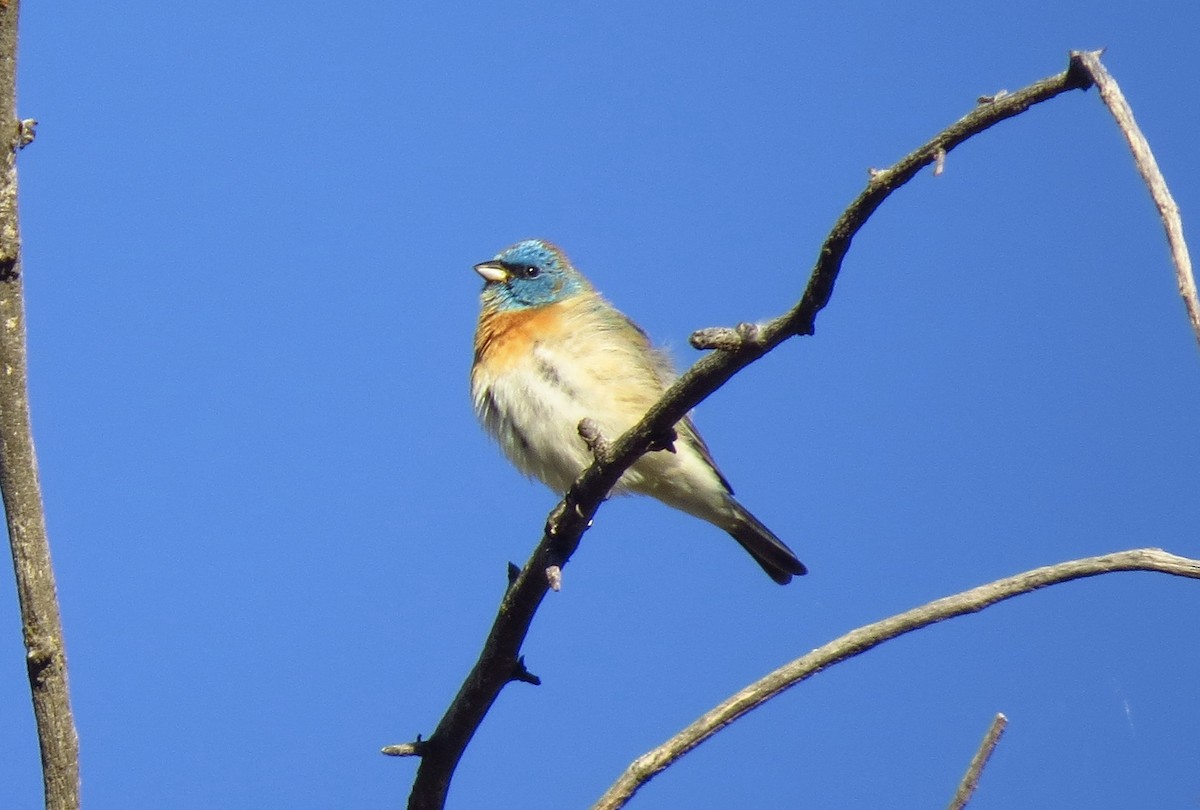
x: 865, y: 638
x: 571, y: 518
x: 1147, y: 166
x: 970, y: 780
x: 40, y: 619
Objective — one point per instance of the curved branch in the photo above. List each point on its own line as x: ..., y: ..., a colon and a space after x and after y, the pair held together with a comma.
x: 864, y: 638
x: 498, y: 662
x: 45, y: 653
x: 1147, y: 167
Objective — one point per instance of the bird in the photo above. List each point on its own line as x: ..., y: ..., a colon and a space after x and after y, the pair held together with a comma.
x: 549, y: 352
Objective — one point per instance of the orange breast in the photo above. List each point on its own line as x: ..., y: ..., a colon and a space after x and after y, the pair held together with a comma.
x: 503, y: 338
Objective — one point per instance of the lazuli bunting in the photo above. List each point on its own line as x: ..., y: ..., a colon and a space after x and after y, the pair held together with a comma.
x: 549, y: 352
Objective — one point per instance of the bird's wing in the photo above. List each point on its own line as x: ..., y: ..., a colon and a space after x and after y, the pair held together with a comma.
x: 665, y: 370
x: 688, y: 432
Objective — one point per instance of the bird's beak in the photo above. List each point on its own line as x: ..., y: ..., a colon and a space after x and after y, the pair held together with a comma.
x: 492, y: 271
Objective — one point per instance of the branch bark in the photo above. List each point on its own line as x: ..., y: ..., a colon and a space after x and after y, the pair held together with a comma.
x: 1147, y: 167
x: 970, y: 780
x: 498, y: 663
x: 645, y: 767
x: 40, y: 620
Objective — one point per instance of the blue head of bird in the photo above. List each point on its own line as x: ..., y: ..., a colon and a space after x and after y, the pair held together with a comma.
x: 533, y: 273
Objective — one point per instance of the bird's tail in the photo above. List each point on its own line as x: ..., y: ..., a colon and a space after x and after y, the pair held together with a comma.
x: 779, y: 561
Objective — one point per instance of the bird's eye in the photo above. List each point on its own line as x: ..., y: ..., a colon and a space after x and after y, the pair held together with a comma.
x: 531, y: 271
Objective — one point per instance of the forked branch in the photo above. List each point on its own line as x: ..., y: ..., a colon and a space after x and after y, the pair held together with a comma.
x: 736, y: 349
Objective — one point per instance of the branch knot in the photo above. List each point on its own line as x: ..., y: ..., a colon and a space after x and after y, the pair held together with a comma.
x: 722, y: 338
x: 417, y: 748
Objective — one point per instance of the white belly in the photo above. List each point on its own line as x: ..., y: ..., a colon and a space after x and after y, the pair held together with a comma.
x: 534, y: 410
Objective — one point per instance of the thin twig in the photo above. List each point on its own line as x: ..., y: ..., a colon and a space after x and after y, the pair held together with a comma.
x: 1147, y: 166
x: 865, y: 638
x: 970, y: 780
x: 40, y: 619
x: 573, y: 515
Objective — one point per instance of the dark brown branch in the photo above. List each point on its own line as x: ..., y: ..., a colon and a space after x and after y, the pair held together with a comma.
x: 865, y: 638
x: 571, y: 518
x: 1147, y: 167
x: 40, y: 620
x: 522, y: 674
x: 970, y: 780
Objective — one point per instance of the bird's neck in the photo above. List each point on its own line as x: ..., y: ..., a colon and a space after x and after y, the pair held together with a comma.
x: 503, y: 337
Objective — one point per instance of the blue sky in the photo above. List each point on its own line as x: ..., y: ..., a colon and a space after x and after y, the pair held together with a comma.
x: 280, y: 536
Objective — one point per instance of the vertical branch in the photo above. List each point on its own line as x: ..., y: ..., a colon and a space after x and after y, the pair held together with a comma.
x: 40, y: 620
